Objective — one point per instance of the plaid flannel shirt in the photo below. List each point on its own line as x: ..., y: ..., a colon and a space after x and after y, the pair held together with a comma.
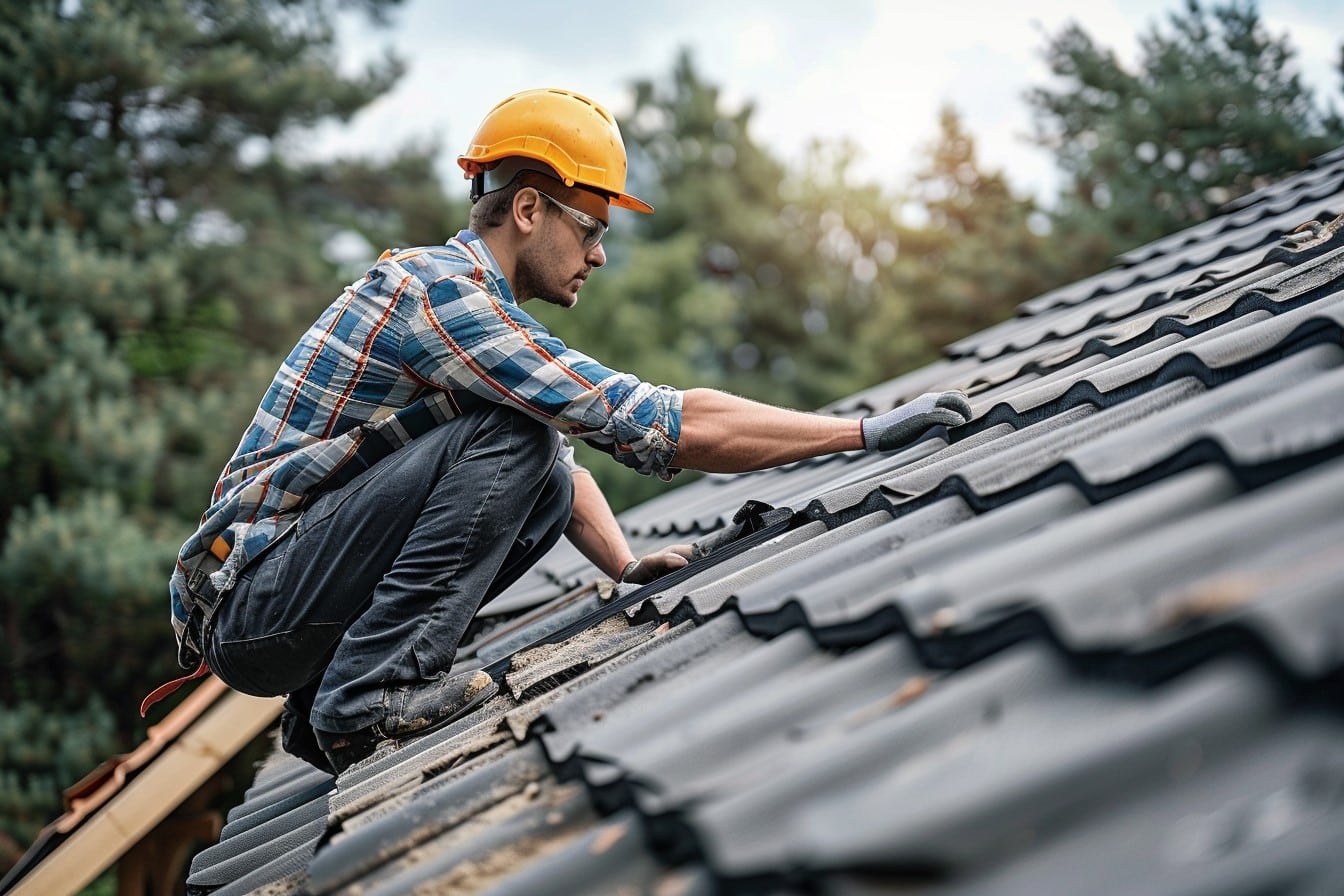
x: 426, y: 334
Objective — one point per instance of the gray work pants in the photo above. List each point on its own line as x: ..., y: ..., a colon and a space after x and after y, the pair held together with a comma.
x: 373, y: 590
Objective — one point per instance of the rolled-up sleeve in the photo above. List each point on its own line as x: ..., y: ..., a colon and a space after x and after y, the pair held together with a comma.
x: 462, y: 338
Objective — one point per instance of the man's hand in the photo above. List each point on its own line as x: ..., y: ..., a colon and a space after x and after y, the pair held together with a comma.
x: 899, y: 427
x: 656, y: 565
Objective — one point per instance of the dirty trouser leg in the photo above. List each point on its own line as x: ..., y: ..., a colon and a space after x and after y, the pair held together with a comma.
x: 373, y: 591
x: 532, y: 543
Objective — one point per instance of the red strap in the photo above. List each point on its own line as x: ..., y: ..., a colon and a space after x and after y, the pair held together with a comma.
x: 165, y: 690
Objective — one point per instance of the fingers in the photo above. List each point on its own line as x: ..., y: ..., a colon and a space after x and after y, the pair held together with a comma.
x: 668, y: 559
x: 908, y: 422
x: 658, y: 564
x: 944, y: 417
x: 956, y: 401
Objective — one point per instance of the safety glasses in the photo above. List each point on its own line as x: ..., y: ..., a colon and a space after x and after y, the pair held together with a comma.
x: 593, y: 229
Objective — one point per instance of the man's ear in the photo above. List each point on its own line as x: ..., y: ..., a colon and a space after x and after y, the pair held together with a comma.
x: 527, y: 208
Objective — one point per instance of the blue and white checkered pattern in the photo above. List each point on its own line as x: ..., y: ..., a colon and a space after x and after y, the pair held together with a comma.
x: 426, y: 332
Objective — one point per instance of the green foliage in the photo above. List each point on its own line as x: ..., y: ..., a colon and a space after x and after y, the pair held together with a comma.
x: 787, y: 309
x: 156, y: 251
x: 748, y: 278
x: 793, y: 287
x: 43, y: 751
x: 76, y: 603
x: 159, y: 251
x: 650, y: 314
x: 980, y: 252
x: 845, y: 254
x: 1215, y: 110
x: 391, y: 204
x: 70, y: 421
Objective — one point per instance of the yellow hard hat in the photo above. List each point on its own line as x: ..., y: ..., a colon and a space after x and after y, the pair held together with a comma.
x: 575, y: 136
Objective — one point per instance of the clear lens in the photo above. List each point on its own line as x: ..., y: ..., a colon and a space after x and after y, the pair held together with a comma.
x: 593, y: 229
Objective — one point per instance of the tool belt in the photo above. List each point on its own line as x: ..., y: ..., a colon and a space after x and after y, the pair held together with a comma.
x: 205, y: 601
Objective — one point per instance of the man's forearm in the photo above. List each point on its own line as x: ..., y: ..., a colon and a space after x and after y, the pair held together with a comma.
x: 593, y: 528
x: 723, y: 433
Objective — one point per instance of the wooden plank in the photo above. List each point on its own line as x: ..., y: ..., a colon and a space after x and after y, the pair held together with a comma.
x: 162, y: 786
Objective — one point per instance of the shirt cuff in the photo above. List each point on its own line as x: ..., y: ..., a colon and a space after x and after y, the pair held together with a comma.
x: 644, y: 429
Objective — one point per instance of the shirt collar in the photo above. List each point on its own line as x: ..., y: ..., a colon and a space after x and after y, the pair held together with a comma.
x: 478, y: 250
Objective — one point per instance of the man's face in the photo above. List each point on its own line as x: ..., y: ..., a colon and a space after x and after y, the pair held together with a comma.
x: 554, y: 263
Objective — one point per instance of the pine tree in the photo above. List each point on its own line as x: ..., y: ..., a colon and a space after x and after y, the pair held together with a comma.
x: 749, y: 277
x: 790, y: 250
x: 1214, y: 110
x: 792, y: 286
x: 979, y: 250
x: 156, y: 251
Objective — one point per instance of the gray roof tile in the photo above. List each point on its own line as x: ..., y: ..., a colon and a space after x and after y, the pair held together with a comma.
x: 1093, y: 635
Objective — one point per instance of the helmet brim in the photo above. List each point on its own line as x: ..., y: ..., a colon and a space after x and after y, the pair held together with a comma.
x: 625, y: 200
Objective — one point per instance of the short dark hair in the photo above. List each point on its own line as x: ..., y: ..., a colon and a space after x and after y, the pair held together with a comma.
x: 494, y: 208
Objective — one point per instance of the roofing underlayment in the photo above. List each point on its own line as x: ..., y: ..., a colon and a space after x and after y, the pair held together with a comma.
x: 1091, y: 641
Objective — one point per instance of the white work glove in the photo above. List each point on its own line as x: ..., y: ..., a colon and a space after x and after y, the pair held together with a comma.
x: 656, y: 565
x: 903, y: 425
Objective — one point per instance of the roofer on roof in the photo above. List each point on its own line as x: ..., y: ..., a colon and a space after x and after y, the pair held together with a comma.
x: 409, y: 461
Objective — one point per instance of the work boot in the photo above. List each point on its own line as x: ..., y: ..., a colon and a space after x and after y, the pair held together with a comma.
x: 344, y: 750
x: 412, y: 712
x: 299, y: 739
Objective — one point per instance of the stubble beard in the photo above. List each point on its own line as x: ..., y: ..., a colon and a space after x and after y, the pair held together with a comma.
x: 531, y: 273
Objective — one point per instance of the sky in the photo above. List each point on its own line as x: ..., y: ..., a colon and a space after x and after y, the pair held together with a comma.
x: 870, y: 71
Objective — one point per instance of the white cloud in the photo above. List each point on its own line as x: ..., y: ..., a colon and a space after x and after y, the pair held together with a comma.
x: 871, y: 71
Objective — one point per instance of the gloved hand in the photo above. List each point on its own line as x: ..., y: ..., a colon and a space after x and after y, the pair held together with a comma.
x: 656, y: 565
x: 906, y: 423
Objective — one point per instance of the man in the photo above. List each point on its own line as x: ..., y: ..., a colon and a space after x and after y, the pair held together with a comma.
x: 407, y: 463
